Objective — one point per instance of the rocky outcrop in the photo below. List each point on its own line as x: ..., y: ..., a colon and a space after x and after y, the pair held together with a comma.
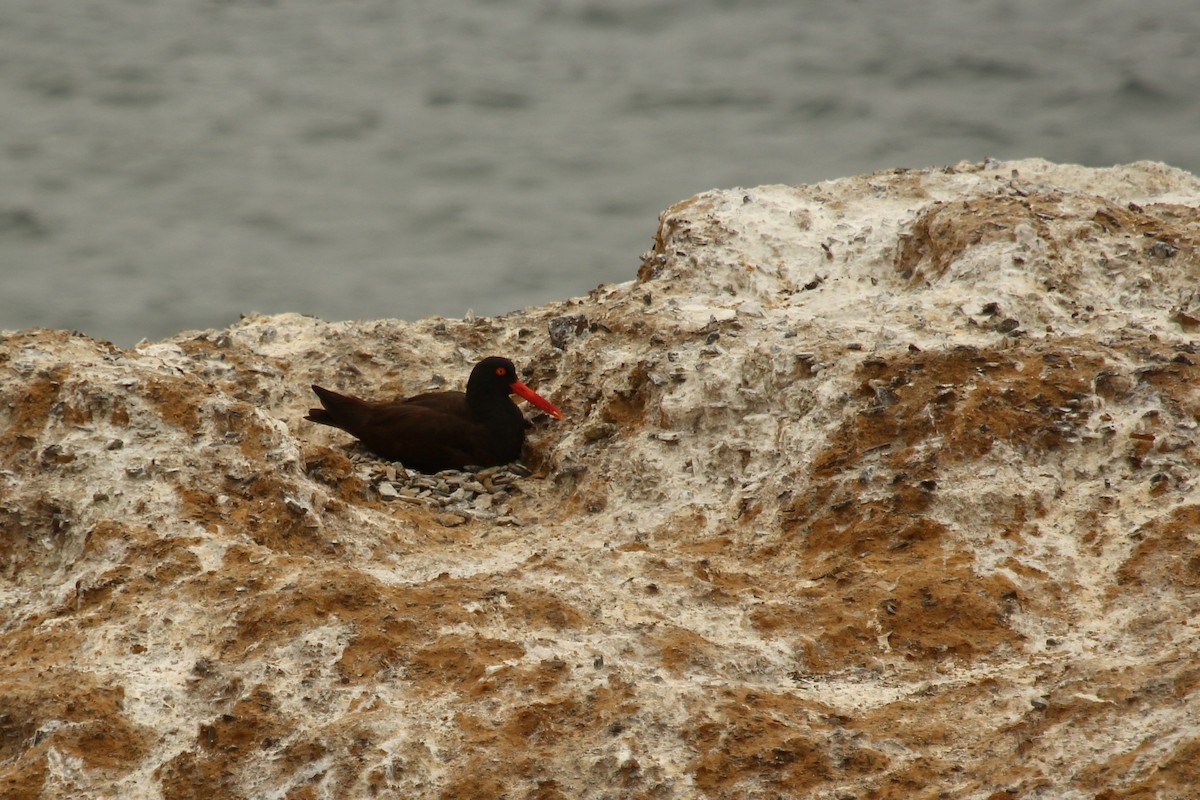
x: 884, y: 488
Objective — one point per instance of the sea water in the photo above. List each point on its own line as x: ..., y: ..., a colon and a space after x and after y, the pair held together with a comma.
x: 169, y: 164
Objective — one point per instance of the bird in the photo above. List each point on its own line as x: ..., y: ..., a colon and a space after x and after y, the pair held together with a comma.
x: 436, y: 431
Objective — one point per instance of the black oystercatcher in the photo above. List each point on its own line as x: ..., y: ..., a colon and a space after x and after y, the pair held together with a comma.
x: 441, y: 430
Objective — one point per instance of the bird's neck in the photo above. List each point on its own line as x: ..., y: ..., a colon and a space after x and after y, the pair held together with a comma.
x: 490, y: 406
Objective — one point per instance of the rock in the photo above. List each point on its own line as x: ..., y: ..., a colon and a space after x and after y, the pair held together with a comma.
x: 563, y: 329
x: 597, y: 431
x: 872, y: 484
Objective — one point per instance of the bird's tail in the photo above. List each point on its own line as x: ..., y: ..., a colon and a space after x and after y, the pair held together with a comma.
x: 339, y: 410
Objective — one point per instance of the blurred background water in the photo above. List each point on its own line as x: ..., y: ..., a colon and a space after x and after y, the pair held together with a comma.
x: 167, y: 164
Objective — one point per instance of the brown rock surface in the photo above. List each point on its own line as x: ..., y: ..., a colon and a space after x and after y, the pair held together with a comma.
x: 879, y: 488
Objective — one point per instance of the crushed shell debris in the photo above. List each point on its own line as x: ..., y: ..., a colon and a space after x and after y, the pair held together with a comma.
x: 472, y: 494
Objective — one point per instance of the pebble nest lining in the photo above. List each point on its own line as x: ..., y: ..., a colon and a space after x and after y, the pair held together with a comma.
x: 466, y: 494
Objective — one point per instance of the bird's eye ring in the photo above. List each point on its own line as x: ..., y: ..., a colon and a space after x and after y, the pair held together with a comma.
x: 501, y: 371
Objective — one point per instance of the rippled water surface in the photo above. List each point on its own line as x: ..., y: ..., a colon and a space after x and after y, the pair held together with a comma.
x: 167, y: 164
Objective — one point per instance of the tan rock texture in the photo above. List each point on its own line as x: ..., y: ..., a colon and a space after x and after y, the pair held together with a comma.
x: 885, y: 487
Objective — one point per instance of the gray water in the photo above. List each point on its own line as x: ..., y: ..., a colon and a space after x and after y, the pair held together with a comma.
x: 168, y: 164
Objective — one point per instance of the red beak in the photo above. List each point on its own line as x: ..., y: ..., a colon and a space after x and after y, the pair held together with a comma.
x: 536, y: 399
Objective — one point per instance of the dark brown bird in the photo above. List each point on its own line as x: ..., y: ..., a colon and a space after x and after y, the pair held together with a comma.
x: 441, y: 430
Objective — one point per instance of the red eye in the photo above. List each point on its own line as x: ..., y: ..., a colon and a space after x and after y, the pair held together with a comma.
x: 501, y: 371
